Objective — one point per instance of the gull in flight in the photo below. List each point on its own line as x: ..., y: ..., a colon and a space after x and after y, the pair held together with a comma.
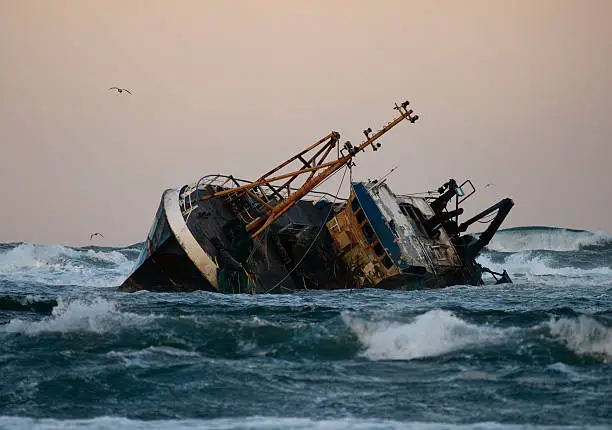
x: 95, y: 234
x: 489, y: 185
x: 120, y: 90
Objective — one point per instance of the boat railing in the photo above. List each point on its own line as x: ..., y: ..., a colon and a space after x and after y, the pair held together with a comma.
x: 189, y: 197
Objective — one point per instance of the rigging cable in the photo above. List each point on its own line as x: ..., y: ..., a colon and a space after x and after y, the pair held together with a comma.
x: 331, y: 207
x: 259, y: 241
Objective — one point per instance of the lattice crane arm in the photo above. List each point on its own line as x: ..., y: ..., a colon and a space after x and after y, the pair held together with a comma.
x: 314, y: 165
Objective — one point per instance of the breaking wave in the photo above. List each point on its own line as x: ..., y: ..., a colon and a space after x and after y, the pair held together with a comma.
x: 583, y: 335
x: 532, y: 264
x: 97, y: 316
x: 27, y: 303
x: 465, y: 357
x: 546, y: 238
x: 433, y: 333
x: 63, y: 265
x: 163, y: 358
x: 337, y: 335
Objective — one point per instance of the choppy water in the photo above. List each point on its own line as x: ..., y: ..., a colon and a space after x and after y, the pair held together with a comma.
x: 77, y: 354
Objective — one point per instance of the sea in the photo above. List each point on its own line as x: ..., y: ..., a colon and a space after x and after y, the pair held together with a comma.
x: 75, y: 353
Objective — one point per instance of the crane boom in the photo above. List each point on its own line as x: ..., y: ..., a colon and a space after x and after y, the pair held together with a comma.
x: 314, y: 165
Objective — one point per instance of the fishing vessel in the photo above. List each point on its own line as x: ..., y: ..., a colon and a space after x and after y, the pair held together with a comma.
x: 279, y: 233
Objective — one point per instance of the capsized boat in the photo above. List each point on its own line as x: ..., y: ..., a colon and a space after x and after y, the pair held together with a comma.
x: 278, y: 233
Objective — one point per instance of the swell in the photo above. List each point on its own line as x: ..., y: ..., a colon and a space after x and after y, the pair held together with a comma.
x: 548, y: 238
x: 544, y: 266
x: 523, y: 251
x: 63, y: 265
x: 313, y: 333
x: 27, y: 304
x: 98, y: 357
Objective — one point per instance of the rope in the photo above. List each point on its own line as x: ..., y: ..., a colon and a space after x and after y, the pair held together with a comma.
x: 313, y: 241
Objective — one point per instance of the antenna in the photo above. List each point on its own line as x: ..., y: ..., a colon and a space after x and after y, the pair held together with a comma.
x: 390, y: 171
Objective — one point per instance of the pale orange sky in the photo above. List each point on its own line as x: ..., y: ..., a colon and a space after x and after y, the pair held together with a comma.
x: 517, y: 93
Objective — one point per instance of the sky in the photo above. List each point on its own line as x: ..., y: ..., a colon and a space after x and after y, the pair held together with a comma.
x: 515, y: 93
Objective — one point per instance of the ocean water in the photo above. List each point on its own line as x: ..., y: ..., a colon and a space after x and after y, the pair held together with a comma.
x: 77, y: 354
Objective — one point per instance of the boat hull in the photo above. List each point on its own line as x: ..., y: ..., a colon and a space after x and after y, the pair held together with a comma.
x: 172, y: 260
x: 370, y: 241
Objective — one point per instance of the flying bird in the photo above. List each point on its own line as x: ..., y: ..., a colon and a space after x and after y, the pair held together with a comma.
x: 120, y: 90
x: 489, y: 185
x: 95, y: 234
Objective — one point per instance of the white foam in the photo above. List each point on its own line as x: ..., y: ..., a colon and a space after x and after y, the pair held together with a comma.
x: 30, y: 255
x: 154, y: 350
x: 30, y: 299
x: 433, y: 333
x: 61, y: 265
x: 583, y: 335
x: 552, y: 239
x: 259, y: 423
x: 527, y: 263
x: 110, y: 256
x: 149, y: 357
x: 97, y: 316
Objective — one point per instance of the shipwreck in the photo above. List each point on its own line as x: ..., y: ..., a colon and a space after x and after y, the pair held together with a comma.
x: 278, y: 233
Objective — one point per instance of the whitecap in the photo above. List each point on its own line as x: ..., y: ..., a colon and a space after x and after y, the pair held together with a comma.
x: 97, y: 316
x: 545, y: 238
x: 584, y: 335
x: 431, y: 334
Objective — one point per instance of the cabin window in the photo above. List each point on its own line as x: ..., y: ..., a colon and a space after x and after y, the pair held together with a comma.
x: 355, y: 205
x: 387, y: 262
x: 378, y: 249
x: 368, y: 233
x: 360, y: 216
x: 414, y: 214
x: 410, y: 211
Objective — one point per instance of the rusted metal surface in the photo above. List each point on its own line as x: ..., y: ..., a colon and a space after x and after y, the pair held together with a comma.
x: 361, y: 246
x: 365, y: 256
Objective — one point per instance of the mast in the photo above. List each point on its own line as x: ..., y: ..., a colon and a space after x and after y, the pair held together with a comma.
x: 313, y: 165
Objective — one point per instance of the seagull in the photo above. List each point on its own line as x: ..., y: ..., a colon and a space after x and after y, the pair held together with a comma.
x: 489, y: 185
x: 120, y: 90
x: 95, y: 234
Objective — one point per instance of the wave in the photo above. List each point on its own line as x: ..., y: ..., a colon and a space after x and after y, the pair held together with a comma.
x: 262, y: 423
x: 144, y: 340
x: 531, y: 264
x: 431, y: 334
x: 546, y: 238
x: 440, y: 332
x: 59, y: 265
x: 27, y: 303
x: 23, y: 255
x: 63, y: 265
x: 97, y: 316
x: 583, y: 335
